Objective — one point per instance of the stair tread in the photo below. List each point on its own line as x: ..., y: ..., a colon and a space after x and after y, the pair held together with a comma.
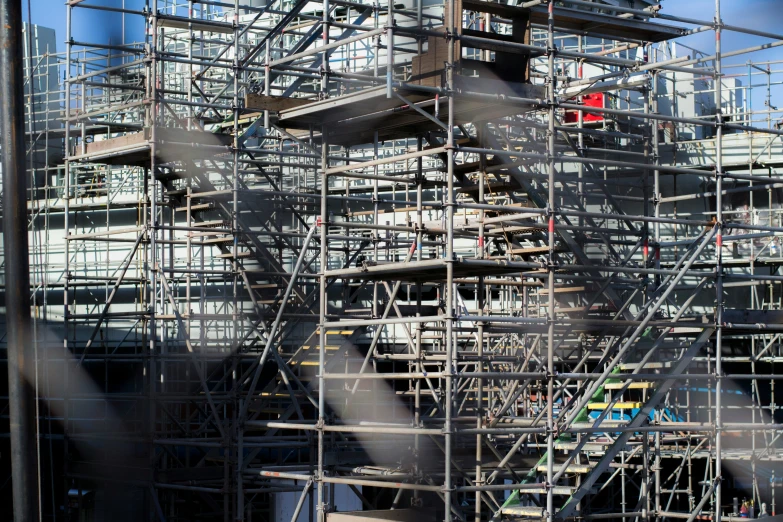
x: 590, y: 446
x: 648, y: 366
x: 617, y: 406
x: 525, y: 511
x: 632, y: 386
x: 557, y: 490
x: 565, y: 290
x: 529, y: 250
x: 571, y: 468
x: 517, y: 229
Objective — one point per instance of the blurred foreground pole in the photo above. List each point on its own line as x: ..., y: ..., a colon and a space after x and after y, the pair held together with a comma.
x: 21, y: 366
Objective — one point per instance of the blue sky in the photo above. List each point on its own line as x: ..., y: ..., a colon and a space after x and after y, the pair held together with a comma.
x: 761, y: 15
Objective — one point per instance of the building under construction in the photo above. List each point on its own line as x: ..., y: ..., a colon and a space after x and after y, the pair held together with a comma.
x: 357, y: 260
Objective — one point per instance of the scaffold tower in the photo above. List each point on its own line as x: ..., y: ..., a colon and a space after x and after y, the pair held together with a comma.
x: 459, y: 260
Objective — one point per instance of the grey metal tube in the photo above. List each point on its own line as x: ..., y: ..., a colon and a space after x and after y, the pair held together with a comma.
x: 21, y: 401
x: 551, y: 317
x: 302, y: 499
x: 323, y: 309
x: 719, y: 304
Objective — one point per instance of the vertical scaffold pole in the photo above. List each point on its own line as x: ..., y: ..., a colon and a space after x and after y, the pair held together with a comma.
x: 321, y: 323
x: 151, y: 264
x: 449, y: 294
x: 719, y: 261
x: 66, y: 189
x: 550, y: 384
x: 236, y: 442
x: 21, y: 363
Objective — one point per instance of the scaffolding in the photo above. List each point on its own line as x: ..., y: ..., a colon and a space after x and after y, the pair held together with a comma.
x: 459, y: 260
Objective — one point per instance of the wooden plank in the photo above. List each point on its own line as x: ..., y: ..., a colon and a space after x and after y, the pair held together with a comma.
x: 519, y: 230
x: 565, y: 290
x: 529, y: 250
x: 273, y: 103
x: 647, y: 366
x: 134, y: 148
x: 571, y: 468
x: 632, y: 386
x: 616, y: 406
x: 217, y: 241
x: 530, y: 512
x: 118, y: 143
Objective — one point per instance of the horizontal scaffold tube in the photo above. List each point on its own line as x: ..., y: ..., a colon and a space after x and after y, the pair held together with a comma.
x: 333, y: 45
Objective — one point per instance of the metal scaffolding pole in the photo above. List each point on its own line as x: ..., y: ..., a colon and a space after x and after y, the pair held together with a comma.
x: 22, y: 366
x: 719, y: 304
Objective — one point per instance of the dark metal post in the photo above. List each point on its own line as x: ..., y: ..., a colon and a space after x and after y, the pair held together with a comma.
x: 17, y: 275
